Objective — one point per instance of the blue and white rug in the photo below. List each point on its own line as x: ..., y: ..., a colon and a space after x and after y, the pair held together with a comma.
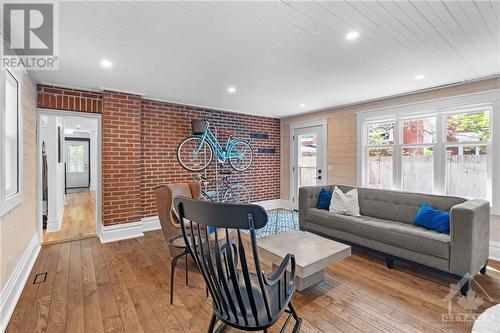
x: 279, y: 220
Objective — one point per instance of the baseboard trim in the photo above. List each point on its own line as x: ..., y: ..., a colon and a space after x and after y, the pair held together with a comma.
x: 117, y: 232
x: 495, y: 250
x: 9, y: 296
x: 273, y: 204
x: 150, y: 223
x: 54, y: 225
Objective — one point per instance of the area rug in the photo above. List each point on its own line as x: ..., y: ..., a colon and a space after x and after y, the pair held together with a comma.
x: 279, y: 220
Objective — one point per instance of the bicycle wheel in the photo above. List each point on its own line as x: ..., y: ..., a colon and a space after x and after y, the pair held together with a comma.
x: 236, y: 194
x: 241, y: 156
x: 193, y: 154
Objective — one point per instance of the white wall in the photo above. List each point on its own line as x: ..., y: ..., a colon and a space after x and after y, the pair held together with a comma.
x: 48, y: 134
x: 93, y: 160
x: 19, y: 242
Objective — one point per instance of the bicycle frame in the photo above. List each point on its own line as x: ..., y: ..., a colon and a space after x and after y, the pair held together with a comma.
x: 211, y: 139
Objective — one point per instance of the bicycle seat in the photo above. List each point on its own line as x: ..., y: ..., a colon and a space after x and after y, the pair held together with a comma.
x: 225, y: 172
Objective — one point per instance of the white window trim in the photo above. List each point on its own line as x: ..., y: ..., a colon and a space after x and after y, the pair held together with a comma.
x: 437, y: 107
x: 6, y: 205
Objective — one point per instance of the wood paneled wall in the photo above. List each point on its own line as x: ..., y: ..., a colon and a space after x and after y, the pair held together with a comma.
x: 342, y: 130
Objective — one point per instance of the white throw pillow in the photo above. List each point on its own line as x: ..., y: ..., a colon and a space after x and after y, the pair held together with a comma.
x: 345, y: 203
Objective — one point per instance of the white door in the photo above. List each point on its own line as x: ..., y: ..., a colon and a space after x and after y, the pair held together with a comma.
x: 309, y: 166
x: 77, y: 163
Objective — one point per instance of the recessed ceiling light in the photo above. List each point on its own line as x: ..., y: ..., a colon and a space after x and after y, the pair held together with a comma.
x: 352, y: 35
x: 78, y: 126
x: 231, y: 90
x: 302, y: 105
x: 105, y: 63
x: 420, y: 77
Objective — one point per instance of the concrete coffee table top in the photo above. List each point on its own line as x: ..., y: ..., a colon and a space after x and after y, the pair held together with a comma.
x: 312, y: 252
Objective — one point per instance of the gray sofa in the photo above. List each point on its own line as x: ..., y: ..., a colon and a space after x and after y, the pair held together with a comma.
x: 386, y: 225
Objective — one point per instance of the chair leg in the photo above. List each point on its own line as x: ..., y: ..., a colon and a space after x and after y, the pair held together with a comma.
x: 211, y: 326
x: 173, y: 264
x: 298, y: 319
x: 187, y: 280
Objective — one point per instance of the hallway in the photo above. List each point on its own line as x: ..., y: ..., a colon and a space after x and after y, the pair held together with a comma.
x: 78, y: 220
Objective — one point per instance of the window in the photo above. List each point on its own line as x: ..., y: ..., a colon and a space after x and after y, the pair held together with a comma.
x: 10, y: 191
x: 467, y: 136
x: 418, y: 139
x: 380, y: 152
x: 75, y: 158
x: 446, y: 152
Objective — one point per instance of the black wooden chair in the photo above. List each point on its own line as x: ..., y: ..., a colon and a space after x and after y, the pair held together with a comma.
x: 241, y: 298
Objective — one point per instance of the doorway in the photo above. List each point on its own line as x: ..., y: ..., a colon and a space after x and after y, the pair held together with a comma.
x: 309, y: 157
x: 69, y: 175
x: 77, y: 164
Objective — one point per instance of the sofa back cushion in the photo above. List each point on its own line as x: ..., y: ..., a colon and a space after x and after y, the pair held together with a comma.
x: 398, y: 206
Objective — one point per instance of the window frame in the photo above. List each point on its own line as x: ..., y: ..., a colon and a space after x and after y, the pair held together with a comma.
x: 402, y: 146
x: 367, y: 147
x: 439, y: 108
x: 7, y: 204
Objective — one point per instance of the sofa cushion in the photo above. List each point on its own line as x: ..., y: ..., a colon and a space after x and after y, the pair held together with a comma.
x: 399, y: 234
x: 324, y: 199
x: 345, y: 203
x: 433, y: 219
x: 399, y: 206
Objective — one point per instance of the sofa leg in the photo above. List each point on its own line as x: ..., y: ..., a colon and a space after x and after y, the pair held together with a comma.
x: 389, y: 262
x: 483, y: 270
x: 465, y: 289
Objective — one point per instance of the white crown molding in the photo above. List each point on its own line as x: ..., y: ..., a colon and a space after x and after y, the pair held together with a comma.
x: 11, y: 292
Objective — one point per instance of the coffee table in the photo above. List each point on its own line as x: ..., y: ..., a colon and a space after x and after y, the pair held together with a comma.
x: 488, y: 321
x: 312, y: 253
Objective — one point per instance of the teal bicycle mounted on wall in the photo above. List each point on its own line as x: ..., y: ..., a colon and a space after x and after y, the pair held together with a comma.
x: 196, y: 152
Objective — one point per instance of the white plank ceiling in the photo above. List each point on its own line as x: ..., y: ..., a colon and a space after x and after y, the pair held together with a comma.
x: 278, y: 55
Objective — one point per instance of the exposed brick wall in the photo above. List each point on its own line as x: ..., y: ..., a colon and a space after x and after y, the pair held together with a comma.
x: 121, y: 157
x: 140, y: 139
x: 50, y: 97
x: 165, y: 125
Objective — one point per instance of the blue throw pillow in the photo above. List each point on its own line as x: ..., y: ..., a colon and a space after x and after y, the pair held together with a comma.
x: 433, y: 219
x: 324, y: 199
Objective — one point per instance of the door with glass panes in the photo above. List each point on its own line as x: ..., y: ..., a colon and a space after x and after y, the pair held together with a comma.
x: 308, y: 166
x: 77, y: 163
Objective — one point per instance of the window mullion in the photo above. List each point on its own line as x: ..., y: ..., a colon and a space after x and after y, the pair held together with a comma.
x: 397, y: 157
x: 440, y: 157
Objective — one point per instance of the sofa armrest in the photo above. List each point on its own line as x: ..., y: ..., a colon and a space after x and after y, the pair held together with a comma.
x: 308, y: 198
x: 470, y: 236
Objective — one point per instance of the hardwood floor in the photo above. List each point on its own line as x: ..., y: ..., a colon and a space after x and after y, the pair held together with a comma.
x: 123, y: 287
x: 78, y: 219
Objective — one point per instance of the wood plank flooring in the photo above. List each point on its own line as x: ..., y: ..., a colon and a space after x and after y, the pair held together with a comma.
x: 123, y: 287
x: 78, y: 220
